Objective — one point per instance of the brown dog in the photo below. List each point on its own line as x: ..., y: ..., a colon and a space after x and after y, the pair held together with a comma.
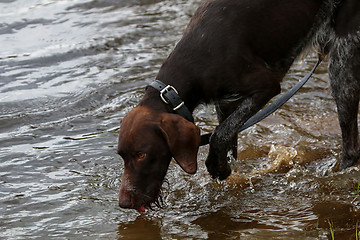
x: 235, y: 53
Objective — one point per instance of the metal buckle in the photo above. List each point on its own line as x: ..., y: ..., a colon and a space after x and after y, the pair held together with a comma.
x: 178, y: 106
x: 165, y: 90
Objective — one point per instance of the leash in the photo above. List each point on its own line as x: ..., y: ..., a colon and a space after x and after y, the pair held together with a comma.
x: 170, y: 96
x: 276, y: 104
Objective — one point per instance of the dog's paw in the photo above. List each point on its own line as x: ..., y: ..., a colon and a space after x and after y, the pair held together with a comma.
x: 349, y: 159
x: 217, y: 166
x: 345, y: 163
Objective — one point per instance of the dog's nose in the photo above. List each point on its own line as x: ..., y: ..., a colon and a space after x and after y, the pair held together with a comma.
x: 126, y: 193
x: 125, y: 203
x: 124, y: 200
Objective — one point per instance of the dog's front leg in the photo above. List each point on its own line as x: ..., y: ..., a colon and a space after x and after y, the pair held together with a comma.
x: 224, y: 110
x: 221, y: 140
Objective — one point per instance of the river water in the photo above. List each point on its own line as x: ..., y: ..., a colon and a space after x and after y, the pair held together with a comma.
x: 69, y: 72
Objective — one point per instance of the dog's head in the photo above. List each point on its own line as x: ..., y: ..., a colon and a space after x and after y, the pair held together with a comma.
x: 147, y: 142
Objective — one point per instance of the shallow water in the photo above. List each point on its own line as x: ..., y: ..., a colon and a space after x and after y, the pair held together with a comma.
x: 69, y: 72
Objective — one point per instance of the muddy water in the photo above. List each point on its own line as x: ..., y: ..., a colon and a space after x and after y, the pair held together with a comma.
x: 70, y: 70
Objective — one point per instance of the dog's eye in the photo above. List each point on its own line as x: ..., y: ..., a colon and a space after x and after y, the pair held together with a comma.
x: 140, y: 155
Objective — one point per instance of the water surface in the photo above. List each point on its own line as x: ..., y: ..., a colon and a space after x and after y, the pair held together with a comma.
x: 69, y: 72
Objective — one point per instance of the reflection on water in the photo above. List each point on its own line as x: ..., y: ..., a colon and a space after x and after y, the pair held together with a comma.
x: 139, y: 229
x: 69, y: 72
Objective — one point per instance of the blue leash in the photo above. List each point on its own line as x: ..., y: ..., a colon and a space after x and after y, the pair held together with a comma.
x: 276, y: 104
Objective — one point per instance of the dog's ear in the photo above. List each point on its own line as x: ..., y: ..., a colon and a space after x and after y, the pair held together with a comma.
x: 183, y: 138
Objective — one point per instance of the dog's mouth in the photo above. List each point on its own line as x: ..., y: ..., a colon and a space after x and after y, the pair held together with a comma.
x: 142, y: 198
x: 141, y: 201
x: 151, y: 202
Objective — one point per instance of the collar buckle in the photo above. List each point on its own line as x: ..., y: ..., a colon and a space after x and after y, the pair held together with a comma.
x: 170, y: 96
x: 166, y: 90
